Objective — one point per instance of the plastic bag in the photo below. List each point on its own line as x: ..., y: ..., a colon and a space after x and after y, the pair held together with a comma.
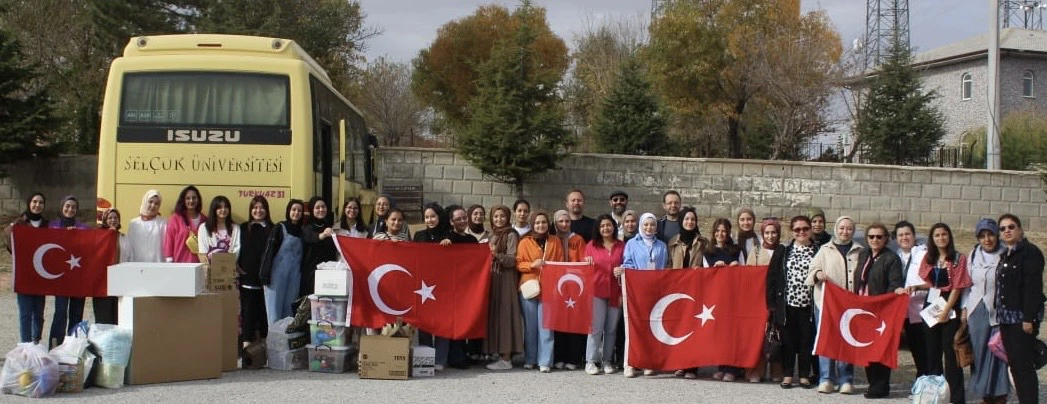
x: 73, y: 347
x: 336, y: 265
x: 114, y: 350
x: 29, y: 371
x: 996, y: 345
x: 930, y: 390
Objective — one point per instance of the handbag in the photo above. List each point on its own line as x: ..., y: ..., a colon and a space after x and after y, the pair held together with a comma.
x: 772, y: 343
x: 1039, y: 354
x: 530, y: 289
x: 996, y: 345
x: 961, y: 342
x: 193, y: 243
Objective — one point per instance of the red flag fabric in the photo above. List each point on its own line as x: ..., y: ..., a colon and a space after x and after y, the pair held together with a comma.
x: 439, y: 289
x: 860, y: 329
x: 567, y: 296
x: 680, y: 319
x: 62, y: 262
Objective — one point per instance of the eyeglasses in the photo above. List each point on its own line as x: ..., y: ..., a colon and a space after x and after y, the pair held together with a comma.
x: 801, y: 229
x: 875, y: 236
x: 1009, y: 227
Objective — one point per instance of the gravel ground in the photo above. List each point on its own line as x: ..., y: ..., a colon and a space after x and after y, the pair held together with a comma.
x: 474, y: 385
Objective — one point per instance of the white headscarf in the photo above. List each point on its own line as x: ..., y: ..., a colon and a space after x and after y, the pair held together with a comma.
x: 144, y: 209
x: 647, y: 238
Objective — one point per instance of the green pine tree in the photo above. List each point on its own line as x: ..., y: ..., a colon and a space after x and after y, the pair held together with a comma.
x: 26, y: 114
x: 630, y: 120
x: 517, y: 126
x: 899, y: 124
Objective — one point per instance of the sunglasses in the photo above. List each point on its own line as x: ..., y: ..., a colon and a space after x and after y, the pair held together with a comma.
x: 801, y: 229
x: 1009, y: 227
x: 875, y: 236
x: 617, y: 199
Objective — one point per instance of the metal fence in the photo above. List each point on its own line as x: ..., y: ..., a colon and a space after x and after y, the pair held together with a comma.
x: 942, y: 156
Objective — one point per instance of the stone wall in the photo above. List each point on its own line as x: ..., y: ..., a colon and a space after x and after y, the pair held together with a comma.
x: 55, y: 178
x: 717, y: 187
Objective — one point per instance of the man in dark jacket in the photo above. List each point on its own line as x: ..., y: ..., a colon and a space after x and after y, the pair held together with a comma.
x: 880, y: 272
x: 1019, y: 304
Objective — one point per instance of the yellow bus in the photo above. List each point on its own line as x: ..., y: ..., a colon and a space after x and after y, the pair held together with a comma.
x: 234, y: 115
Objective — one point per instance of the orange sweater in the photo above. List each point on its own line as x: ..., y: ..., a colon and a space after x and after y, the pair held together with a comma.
x: 528, y: 251
x: 575, y: 248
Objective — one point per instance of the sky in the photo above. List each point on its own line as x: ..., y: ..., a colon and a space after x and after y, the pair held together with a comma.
x: 410, y: 25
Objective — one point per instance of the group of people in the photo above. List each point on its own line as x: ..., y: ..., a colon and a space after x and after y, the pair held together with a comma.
x: 995, y: 289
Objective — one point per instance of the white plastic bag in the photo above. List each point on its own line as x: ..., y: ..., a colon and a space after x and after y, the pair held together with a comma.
x: 29, y: 371
x: 930, y: 390
x: 73, y: 347
x: 114, y: 350
x: 337, y: 265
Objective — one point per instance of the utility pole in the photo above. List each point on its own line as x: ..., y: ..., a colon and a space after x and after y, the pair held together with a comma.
x: 992, y: 136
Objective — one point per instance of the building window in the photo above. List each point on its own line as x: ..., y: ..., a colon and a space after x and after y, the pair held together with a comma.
x: 1028, y: 84
x: 965, y: 86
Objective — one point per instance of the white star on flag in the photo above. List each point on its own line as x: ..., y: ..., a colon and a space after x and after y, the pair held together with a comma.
x: 706, y: 314
x: 426, y: 292
x: 570, y: 302
x: 74, y: 262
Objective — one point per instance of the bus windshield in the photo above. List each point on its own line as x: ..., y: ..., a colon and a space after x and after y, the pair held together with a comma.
x: 205, y: 98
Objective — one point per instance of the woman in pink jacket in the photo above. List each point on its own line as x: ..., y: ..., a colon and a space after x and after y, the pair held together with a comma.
x: 184, y: 222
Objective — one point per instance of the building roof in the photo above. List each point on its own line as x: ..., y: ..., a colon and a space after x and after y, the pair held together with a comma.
x: 1012, y: 39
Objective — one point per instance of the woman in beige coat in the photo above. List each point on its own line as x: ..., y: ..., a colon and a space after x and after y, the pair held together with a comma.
x: 834, y: 262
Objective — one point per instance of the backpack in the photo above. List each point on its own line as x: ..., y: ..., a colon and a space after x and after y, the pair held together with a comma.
x: 930, y: 390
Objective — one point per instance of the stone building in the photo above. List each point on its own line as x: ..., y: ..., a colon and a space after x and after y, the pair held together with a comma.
x: 958, y: 73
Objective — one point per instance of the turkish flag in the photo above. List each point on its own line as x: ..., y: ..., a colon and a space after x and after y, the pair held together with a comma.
x: 62, y: 262
x: 439, y: 289
x: 567, y: 296
x: 688, y: 318
x: 860, y: 329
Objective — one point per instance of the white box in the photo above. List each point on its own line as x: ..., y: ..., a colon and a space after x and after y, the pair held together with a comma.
x: 423, y: 361
x: 156, y: 279
x: 333, y: 282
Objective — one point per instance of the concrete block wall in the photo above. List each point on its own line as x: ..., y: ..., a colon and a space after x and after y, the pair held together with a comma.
x: 55, y: 178
x: 718, y: 187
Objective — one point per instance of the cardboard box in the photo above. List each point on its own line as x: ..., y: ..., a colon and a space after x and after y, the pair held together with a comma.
x: 221, y: 272
x: 423, y: 361
x: 386, y: 358
x: 230, y: 330
x: 156, y: 279
x: 333, y: 282
x: 174, y: 338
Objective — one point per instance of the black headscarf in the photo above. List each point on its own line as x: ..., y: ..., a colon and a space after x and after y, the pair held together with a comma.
x: 29, y: 215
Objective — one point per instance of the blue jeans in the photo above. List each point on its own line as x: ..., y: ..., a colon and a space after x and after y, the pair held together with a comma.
x: 600, y: 345
x: 538, y: 340
x: 69, y: 311
x: 844, y: 371
x: 30, y: 317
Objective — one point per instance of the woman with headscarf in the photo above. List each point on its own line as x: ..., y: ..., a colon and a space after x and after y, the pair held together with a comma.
x: 476, y: 223
x: 69, y: 311
x: 989, y: 373
x: 436, y: 225
x: 605, y: 252
x: 351, y: 225
x: 30, y: 307
x: 283, y: 276
x: 761, y: 254
x: 180, y: 239
x: 105, y: 308
x: 380, y: 214
x: 570, y: 348
x: 945, y: 275
x: 685, y: 251
x: 255, y: 252
x: 536, y: 247
x: 819, y: 236
x: 505, y: 327
x: 748, y: 238
x: 318, y: 243
x: 790, y: 300
x: 643, y: 252
x: 835, y: 262
x: 630, y: 225
x: 146, y: 231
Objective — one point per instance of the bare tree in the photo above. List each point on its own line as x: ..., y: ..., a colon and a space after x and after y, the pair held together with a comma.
x: 390, y: 107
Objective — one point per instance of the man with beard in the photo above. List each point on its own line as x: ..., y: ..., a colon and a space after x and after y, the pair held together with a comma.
x: 669, y: 226
x: 619, y: 203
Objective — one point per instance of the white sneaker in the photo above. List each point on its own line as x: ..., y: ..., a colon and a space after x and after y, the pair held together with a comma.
x: 847, y: 388
x: 529, y: 366
x: 648, y: 372
x: 592, y: 369
x: 544, y: 369
x: 825, y: 387
x: 609, y: 369
x: 558, y: 365
x: 629, y: 372
x: 571, y: 366
x: 439, y: 368
x: 500, y: 365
